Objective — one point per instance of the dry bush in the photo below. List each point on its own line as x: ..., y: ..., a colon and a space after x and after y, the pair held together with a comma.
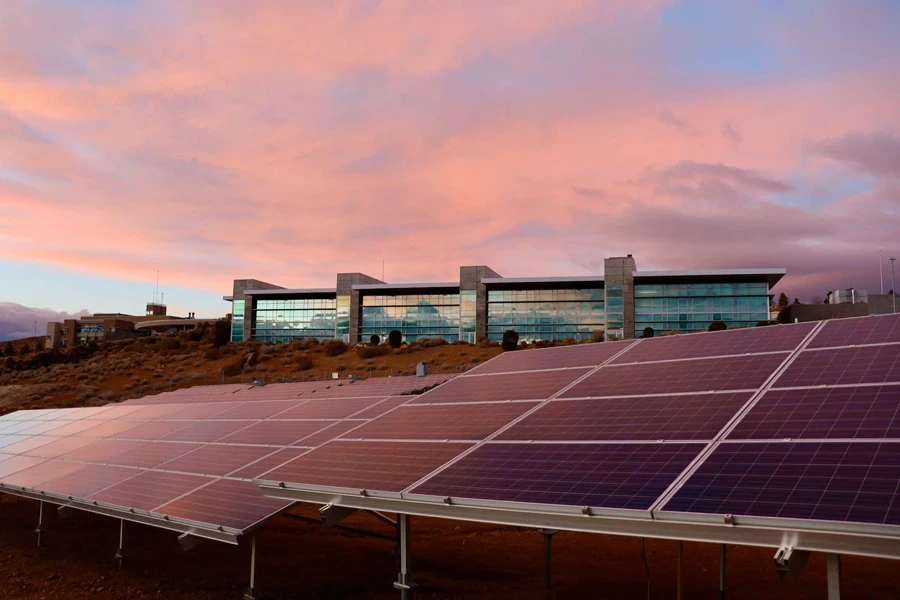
x: 372, y: 351
x: 334, y: 348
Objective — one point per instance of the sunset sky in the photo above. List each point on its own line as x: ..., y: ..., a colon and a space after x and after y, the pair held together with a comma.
x: 287, y: 141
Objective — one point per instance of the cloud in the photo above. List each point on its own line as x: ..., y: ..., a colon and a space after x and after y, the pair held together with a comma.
x: 667, y: 117
x: 730, y: 134
x: 17, y: 321
x: 590, y: 192
x: 876, y: 153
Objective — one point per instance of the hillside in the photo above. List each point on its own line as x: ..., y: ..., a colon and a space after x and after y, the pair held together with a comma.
x: 104, y: 372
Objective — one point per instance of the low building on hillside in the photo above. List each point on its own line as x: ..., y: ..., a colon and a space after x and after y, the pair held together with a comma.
x: 118, y: 326
x: 841, y: 305
x: 482, y: 305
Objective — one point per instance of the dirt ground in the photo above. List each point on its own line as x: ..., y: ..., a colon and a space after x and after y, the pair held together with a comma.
x: 451, y: 560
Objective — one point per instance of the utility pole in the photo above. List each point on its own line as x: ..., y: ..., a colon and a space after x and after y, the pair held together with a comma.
x: 893, y: 288
x: 881, y: 268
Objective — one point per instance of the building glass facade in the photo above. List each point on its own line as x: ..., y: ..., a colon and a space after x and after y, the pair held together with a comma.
x: 414, y: 315
x: 294, y: 319
x: 468, y: 301
x: 693, y: 306
x: 342, y: 321
x: 553, y: 314
x: 615, y: 311
x: 237, y: 321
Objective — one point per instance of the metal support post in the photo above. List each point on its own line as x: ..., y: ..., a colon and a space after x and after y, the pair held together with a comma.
x: 40, y: 525
x: 404, y: 581
x: 679, y: 562
x: 120, y: 553
x: 251, y: 591
x: 834, y: 576
x: 721, y: 571
x: 548, y: 555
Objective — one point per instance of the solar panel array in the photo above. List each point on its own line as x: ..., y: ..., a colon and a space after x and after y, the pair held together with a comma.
x: 187, y: 456
x: 796, y: 421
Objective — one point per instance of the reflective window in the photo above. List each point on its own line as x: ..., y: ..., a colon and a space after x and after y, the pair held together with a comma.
x: 237, y: 321
x: 295, y: 319
x: 693, y: 306
x: 414, y: 315
x: 545, y: 314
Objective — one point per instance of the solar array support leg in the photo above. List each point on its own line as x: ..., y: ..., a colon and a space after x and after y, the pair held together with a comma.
x: 404, y: 581
x: 120, y: 553
x: 679, y: 565
x: 721, y: 571
x: 251, y: 591
x: 548, y: 556
x: 834, y: 576
x: 40, y: 525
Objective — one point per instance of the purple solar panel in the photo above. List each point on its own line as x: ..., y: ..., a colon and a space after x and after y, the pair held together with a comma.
x: 39, y: 474
x: 330, y: 408
x: 335, y: 430
x: 101, y: 451
x: 154, y: 411
x: 278, y: 458
x: 45, y: 427
x: 150, y: 430
x: 256, y: 410
x: 87, y: 480
x: 148, y: 489
x: 205, y: 431
x: 275, y: 433
x: 856, y: 332
x: 686, y: 417
x: 150, y: 454
x: 831, y: 481
x: 538, y: 385
x: 384, y: 466
x: 582, y: 355
x: 236, y: 504
x: 720, y: 343
x: 75, y: 427
x: 703, y: 375
x: 216, y: 459
x: 29, y: 443
x: 383, y: 407
x: 862, y: 364
x: 199, y: 411
x: 104, y: 429
x: 15, y: 464
x: 443, y: 421
x: 629, y: 476
x: 60, y: 447
x: 845, y: 412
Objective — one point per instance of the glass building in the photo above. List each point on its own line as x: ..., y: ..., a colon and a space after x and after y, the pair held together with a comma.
x: 482, y: 305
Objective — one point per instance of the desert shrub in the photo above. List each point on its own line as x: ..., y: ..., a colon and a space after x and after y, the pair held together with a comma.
x: 24, y: 349
x: 235, y: 367
x: 310, y: 343
x: 171, y: 344
x: 474, y: 360
x: 226, y: 350
x: 9, y: 349
x: 717, y: 326
x: 340, y: 368
x: 433, y: 342
x: 334, y: 348
x: 395, y: 338
x: 304, y: 363
x: 221, y: 333
x: 372, y: 351
x: 195, y: 335
x: 486, y: 343
x: 648, y: 332
x: 374, y: 340
x: 510, y: 340
x: 543, y: 344
x: 765, y: 323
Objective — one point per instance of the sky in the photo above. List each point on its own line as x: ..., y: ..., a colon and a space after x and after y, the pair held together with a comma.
x: 287, y: 141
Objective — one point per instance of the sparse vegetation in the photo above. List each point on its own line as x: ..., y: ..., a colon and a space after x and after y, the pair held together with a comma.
x: 648, y: 332
x: 395, y: 338
x: 510, y: 340
x: 717, y: 326
x: 334, y: 348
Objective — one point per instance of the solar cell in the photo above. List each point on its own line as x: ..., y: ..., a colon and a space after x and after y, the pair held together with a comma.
x: 153, y: 411
x: 28, y: 443
x: 443, y: 421
x: 384, y: 466
x: 275, y: 433
x: 628, y: 476
x: 832, y: 481
x: 205, y: 431
x: 537, y: 385
x: 685, y: 417
x: 102, y: 429
x: 216, y: 459
x: 74, y: 427
x: 44, y: 427
x: 7, y: 440
x: 256, y: 410
x: 332, y: 431
x: 582, y: 355
x: 20, y: 426
x: 382, y: 407
x: 15, y: 464
x: 719, y: 343
x: 701, y: 375
x: 60, y: 446
x: 150, y: 430
x: 87, y: 480
x: 101, y: 451
x: 41, y: 473
x: 200, y: 411
x: 818, y: 413
x: 236, y: 504
x: 279, y: 457
x: 150, y: 454
x: 329, y: 409
x: 148, y: 489
x: 862, y: 364
x: 865, y: 330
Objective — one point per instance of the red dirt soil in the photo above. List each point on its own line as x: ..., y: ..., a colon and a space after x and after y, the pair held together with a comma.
x: 451, y: 560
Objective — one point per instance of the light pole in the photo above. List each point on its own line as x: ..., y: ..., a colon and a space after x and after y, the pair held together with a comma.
x: 893, y: 288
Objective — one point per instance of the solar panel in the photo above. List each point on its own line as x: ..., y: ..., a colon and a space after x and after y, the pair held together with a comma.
x: 216, y: 459
x: 148, y: 489
x: 334, y: 430
x: 150, y: 430
x: 721, y: 343
x: 236, y: 504
x: 384, y: 466
x: 40, y: 473
x: 536, y: 385
x: 278, y: 458
x: 861, y: 364
x: 329, y: 408
x: 443, y: 421
x: 87, y: 480
x: 630, y: 476
x: 819, y: 413
x: 832, y: 481
x: 275, y: 433
x: 382, y: 407
x: 255, y: 410
x: 864, y: 330
x: 582, y: 355
x: 206, y: 431
x: 15, y: 464
x: 700, y: 375
x: 150, y: 454
x: 682, y: 417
